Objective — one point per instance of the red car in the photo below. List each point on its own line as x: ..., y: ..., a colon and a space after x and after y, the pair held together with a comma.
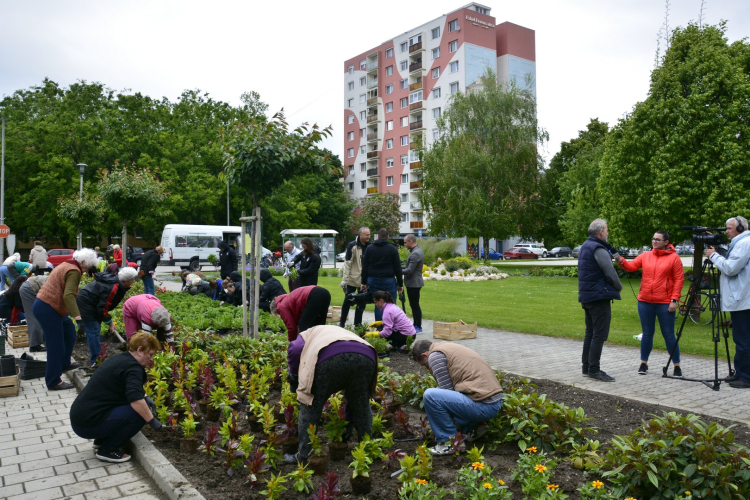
x: 59, y: 255
x: 520, y: 253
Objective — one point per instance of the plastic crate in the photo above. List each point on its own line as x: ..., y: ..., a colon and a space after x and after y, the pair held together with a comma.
x: 30, y: 367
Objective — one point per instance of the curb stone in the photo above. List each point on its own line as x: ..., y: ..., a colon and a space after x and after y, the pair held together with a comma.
x: 167, y: 478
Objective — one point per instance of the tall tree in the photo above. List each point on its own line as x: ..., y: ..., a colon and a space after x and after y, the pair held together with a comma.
x: 481, y: 175
x: 378, y: 211
x: 681, y: 157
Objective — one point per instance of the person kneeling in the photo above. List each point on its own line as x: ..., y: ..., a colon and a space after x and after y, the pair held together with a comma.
x: 397, y: 327
x: 113, y: 406
x: 468, y: 393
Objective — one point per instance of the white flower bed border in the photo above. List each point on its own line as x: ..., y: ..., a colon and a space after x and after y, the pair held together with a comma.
x: 488, y: 273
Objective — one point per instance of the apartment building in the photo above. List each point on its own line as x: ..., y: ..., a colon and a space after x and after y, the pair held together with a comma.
x: 393, y: 93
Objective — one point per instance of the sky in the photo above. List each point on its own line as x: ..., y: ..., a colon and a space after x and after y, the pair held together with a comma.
x: 593, y: 57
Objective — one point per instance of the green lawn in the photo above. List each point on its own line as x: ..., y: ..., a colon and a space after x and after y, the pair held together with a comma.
x: 543, y: 306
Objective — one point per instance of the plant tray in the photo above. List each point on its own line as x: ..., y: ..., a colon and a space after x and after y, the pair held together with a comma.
x: 31, y: 368
x: 18, y: 336
x: 334, y: 314
x: 9, y: 385
x: 458, y: 330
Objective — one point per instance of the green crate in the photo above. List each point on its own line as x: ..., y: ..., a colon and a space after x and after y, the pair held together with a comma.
x: 3, y: 338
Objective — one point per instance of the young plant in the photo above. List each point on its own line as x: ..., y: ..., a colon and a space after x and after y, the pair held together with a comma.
x: 103, y: 355
x: 420, y: 489
x: 188, y: 425
x: 424, y: 461
x: 232, y: 456
x: 255, y: 464
x: 316, y: 445
x: 290, y: 422
x: 336, y: 426
x: 162, y: 413
x: 584, y: 458
x: 271, y: 448
x: 391, y: 457
x: 402, y: 419
x: 229, y: 429
x: 267, y: 418
x: 301, y: 477
x: 218, y: 397
x: 377, y: 424
x: 458, y: 446
x: 206, y: 381
x: 361, y: 462
x: 329, y: 490
x: 423, y: 430
x: 595, y: 490
x: 246, y: 442
x: 274, y: 486
x: 533, y: 474
x: 475, y: 454
x: 477, y: 482
x: 409, y: 464
x: 210, y: 440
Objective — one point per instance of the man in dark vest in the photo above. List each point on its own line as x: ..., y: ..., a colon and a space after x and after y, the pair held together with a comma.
x: 598, y: 286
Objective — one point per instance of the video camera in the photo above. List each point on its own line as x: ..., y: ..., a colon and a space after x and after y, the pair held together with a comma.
x: 704, y: 235
x: 359, y: 300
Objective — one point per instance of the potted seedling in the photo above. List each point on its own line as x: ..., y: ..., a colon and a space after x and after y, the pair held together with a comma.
x: 255, y: 464
x: 329, y: 490
x: 188, y: 443
x: 217, y: 398
x: 274, y: 487
x: 211, y: 440
x: 289, y: 439
x: 361, y: 480
x: 336, y: 428
x: 206, y: 384
x: 402, y: 419
x: 301, y: 477
x: 318, y: 458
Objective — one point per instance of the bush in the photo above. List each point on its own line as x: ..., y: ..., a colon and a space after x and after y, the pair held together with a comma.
x: 673, y: 454
x: 457, y: 263
x: 434, y: 249
x: 568, y: 271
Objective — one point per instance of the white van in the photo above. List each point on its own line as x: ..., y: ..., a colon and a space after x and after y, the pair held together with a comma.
x: 189, y: 245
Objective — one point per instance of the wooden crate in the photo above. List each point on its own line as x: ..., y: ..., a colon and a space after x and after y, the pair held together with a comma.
x: 18, y: 336
x: 9, y: 385
x: 334, y: 314
x: 458, y: 330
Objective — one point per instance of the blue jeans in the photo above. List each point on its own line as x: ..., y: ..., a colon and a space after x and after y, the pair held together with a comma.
x: 93, y: 336
x: 741, y: 337
x: 648, y: 313
x: 447, y: 409
x: 148, y: 284
x: 60, y: 336
x: 4, y: 274
x: 385, y: 284
x: 115, y: 431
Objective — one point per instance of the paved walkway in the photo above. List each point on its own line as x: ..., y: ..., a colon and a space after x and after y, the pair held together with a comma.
x: 41, y: 458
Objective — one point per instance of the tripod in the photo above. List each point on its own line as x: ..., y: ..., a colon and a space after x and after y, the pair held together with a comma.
x: 704, y: 294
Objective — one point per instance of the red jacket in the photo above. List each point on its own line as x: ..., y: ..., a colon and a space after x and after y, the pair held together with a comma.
x: 663, y: 275
x: 290, y: 307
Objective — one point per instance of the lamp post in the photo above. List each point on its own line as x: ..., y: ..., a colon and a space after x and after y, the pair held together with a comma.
x: 82, y: 167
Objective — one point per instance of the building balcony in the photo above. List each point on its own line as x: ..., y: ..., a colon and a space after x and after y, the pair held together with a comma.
x: 372, y: 137
x: 415, y: 165
x: 373, y: 66
x: 373, y: 154
x: 416, y: 225
x: 414, y: 146
x: 417, y: 66
x: 415, y: 105
x: 415, y: 86
x: 373, y: 119
x: 415, y: 185
x: 372, y: 101
x: 372, y: 172
x: 416, y: 125
x: 372, y: 84
x: 416, y: 48
x: 415, y: 205
x: 372, y: 190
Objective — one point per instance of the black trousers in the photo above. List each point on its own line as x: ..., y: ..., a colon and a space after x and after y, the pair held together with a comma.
x: 416, y: 311
x: 345, y: 309
x: 316, y: 310
x: 598, y: 318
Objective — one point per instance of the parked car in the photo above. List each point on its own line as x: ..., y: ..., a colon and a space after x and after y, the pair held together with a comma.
x: 520, y: 253
x: 136, y: 255
x: 534, y: 247
x: 494, y: 254
x: 341, y: 257
x: 561, y: 252
x: 575, y: 251
x: 57, y: 256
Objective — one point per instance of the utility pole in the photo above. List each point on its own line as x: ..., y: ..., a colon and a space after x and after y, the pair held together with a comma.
x: 82, y: 166
x: 2, y: 189
x: 228, y: 224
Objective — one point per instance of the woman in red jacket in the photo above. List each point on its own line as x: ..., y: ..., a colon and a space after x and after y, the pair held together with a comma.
x: 301, y: 309
x: 661, y: 288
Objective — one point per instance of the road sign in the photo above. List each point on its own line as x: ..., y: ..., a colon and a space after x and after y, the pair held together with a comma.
x: 419, y: 233
x: 4, y: 230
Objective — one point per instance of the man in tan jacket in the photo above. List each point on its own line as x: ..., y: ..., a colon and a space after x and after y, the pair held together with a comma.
x: 352, y: 277
x: 468, y: 393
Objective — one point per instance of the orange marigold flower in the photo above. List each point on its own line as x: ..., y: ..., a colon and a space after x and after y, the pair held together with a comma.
x: 477, y: 465
x: 540, y: 468
x: 501, y: 482
x: 421, y: 481
x: 487, y: 486
x: 630, y: 498
x: 531, y: 449
x: 553, y: 487
x: 597, y: 484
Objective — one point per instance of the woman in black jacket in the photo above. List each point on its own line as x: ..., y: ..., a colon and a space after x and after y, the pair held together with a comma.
x: 269, y: 290
x: 12, y: 300
x: 309, y: 263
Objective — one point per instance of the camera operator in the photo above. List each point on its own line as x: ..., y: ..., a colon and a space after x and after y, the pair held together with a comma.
x: 735, y: 295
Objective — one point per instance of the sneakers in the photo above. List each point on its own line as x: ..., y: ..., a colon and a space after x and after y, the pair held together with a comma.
x: 63, y: 386
x: 418, y: 329
x: 739, y: 384
x: 441, y: 449
x: 477, y: 432
x: 97, y: 444
x: 294, y: 459
x: 585, y: 372
x: 115, y: 457
x: 601, y: 376
x: 677, y: 372
x: 643, y: 369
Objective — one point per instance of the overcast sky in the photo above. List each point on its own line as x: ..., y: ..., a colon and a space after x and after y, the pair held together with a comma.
x: 593, y: 57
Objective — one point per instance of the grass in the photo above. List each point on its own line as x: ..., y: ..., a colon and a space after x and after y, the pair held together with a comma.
x: 542, y: 306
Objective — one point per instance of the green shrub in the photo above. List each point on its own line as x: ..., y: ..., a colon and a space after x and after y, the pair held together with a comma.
x: 434, y: 249
x: 442, y: 272
x: 568, y: 271
x: 411, y: 387
x: 672, y: 454
x: 457, y: 263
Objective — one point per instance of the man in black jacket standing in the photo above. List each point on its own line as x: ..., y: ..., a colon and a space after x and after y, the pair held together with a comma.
x: 148, y: 267
x: 381, y: 269
x: 269, y: 290
x: 227, y: 259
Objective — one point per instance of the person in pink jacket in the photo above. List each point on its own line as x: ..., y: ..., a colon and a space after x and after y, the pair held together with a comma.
x: 145, y: 312
x: 397, y: 327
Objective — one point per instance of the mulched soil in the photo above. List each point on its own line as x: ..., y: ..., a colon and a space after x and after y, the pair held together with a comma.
x: 611, y: 415
x: 82, y: 355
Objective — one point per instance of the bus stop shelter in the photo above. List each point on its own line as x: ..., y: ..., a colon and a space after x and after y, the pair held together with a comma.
x: 325, y: 239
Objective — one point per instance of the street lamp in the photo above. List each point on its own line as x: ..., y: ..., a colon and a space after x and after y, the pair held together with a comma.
x: 82, y: 167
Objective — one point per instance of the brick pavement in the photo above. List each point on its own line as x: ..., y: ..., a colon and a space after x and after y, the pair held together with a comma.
x: 42, y: 458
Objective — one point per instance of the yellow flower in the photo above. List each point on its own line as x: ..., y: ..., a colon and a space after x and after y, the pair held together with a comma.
x: 553, y: 487
x: 421, y: 481
x: 531, y: 449
x: 501, y: 482
x: 630, y: 498
x: 540, y: 468
x: 487, y: 486
x: 477, y: 465
x: 597, y: 484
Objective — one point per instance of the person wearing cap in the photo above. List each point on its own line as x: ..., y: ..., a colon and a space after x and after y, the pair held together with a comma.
x: 13, y: 269
x: 227, y: 259
x: 97, y: 299
x: 148, y: 268
x: 145, y: 312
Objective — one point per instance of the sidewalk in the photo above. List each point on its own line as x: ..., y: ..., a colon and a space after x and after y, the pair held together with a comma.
x: 42, y: 458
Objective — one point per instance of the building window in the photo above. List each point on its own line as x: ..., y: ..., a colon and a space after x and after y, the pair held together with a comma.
x: 436, y: 112
x: 363, y: 64
x: 436, y: 73
x: 404, y: 140
x: 362, y: 184
x: 351, y: 85
x: 362, y: 81
x: 350, y: 153
x: 389, y: 70
x: 351, y: 186
x: 404, y: 121
x: 389, y: 89
x: 351, y: 169
x: 389, y: 144
x: 362, y: 115
x: 351, y: 69
x: 404, y: 65
x: 404, y: 46
x: 404, y: 197
x: 404, y: 102
x: 454, y: 87
x: 363, y: 167
x: 389, y: 180
x: 404, y: 84
x: 361, y: 132
x: 351, y: 136
x: 453, y: 26
x: 436, y: 93
x: 405, y: 217
x: 435, y: 134
x: 404, y: 159
x: 389, y: 162
x: 453, y: 46
x: 435, y: 33
x: 351, y: 102
x: 404, y: 178
x: 389, y: 107
x: 362, y: 150
x: 415, y: 97
x: 481, y: 10
x: 388, y: 53
x: 436, y: 53
x: 350, y: 119
x: 389, y: 125
x: 362, y: 98
x: 454, y: 66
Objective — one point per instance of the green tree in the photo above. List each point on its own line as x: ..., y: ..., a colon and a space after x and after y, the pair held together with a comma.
x: 84, y: 214
x: 681, y: 156
x: 481, y: 176
x: 378, y: 211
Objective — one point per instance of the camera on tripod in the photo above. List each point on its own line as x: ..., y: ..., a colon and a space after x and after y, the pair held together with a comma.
x: 708, y: 236
x: 360, y: 299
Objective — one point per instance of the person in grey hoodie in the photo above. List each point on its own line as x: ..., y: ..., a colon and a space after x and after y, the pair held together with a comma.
x: 413, y: 278
x: 38, y: 257
x: 28, y: 293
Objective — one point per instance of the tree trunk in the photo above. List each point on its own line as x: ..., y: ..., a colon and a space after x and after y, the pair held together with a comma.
x: 486, y: 247
x: 124, y: 246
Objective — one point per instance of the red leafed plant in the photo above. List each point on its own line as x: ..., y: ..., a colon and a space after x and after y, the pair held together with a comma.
x: 403, y: 420
x: 458, y: 446
x: 290, y: 423
x: 103, y: 355
x: 210, y: 441
x: 206, y: 381
x: 392, y: 458
x: 329, y: 489
x: 254, y: 465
